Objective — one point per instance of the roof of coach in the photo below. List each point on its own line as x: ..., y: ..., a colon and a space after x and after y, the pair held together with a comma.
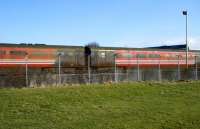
x: 36, y: 45
x: 94, y: 48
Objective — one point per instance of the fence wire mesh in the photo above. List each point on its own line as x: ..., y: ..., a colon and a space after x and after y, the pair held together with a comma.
x: 119, y: 75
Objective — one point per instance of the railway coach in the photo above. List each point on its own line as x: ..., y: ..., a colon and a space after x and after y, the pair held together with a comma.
x: 152, y: 58
x: 40, y: 56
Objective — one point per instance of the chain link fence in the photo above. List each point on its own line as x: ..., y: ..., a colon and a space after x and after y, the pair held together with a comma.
x: 112, y: 76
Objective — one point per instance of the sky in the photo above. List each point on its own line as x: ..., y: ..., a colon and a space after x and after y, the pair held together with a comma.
x: 113, y: 23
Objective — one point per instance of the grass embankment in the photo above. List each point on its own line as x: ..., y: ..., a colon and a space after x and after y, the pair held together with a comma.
x: 122, y: 106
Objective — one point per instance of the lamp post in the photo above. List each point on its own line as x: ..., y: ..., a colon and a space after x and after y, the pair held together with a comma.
x: 138, y: 69
x: 89, y: 72
x: 26, y: 62
x: 185, y: 14
x: 179, y: 75
x: 116, y: 78
x: 129, y: 66
x: 159, y: 71
x: 59, y: 66
x: 196, y: 69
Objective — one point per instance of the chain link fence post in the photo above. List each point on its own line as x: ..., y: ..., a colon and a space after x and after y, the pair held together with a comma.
x: 26, y: 63
x: 138, y: 70
x: 116, y: 72
x: 159, y: 71
x: 59, y: 66
x: 178, y: 68
x: 196, y: 68
x: 89, y: 72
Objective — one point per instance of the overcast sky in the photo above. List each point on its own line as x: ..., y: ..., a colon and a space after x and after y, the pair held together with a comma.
x: 119, y: 23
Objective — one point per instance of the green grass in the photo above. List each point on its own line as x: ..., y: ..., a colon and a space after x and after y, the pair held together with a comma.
x: 110, y: 106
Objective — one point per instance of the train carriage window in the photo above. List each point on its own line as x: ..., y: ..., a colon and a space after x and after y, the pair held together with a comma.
x: 141, y: 56
x: 42, y: 54
x: 18, y: 53
x: 180, y: 57
x: 70, y: 57
x: 119, y: 55
x: 129, y: 55
x: 70, y: 53
x: 174, y: 56
x: 183, y: 55
x: 191, y: 56
x: 167, y: 56
x: 125, y: 55
x: 39, y: 54
x: 102, y: 55
x: 2, y: 52
x: 154, y: 56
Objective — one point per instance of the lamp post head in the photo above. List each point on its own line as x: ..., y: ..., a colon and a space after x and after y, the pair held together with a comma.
x: 60, y: 53
x: 184, y: 12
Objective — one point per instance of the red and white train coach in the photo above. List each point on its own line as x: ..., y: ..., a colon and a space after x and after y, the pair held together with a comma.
x: 47, y: 57
x: 34, y: 57
x: 129, y: 58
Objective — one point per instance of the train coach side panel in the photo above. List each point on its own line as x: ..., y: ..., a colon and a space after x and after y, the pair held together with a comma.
x: 153, y: 58
x: 102, y: 58
x: 33, y: 57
